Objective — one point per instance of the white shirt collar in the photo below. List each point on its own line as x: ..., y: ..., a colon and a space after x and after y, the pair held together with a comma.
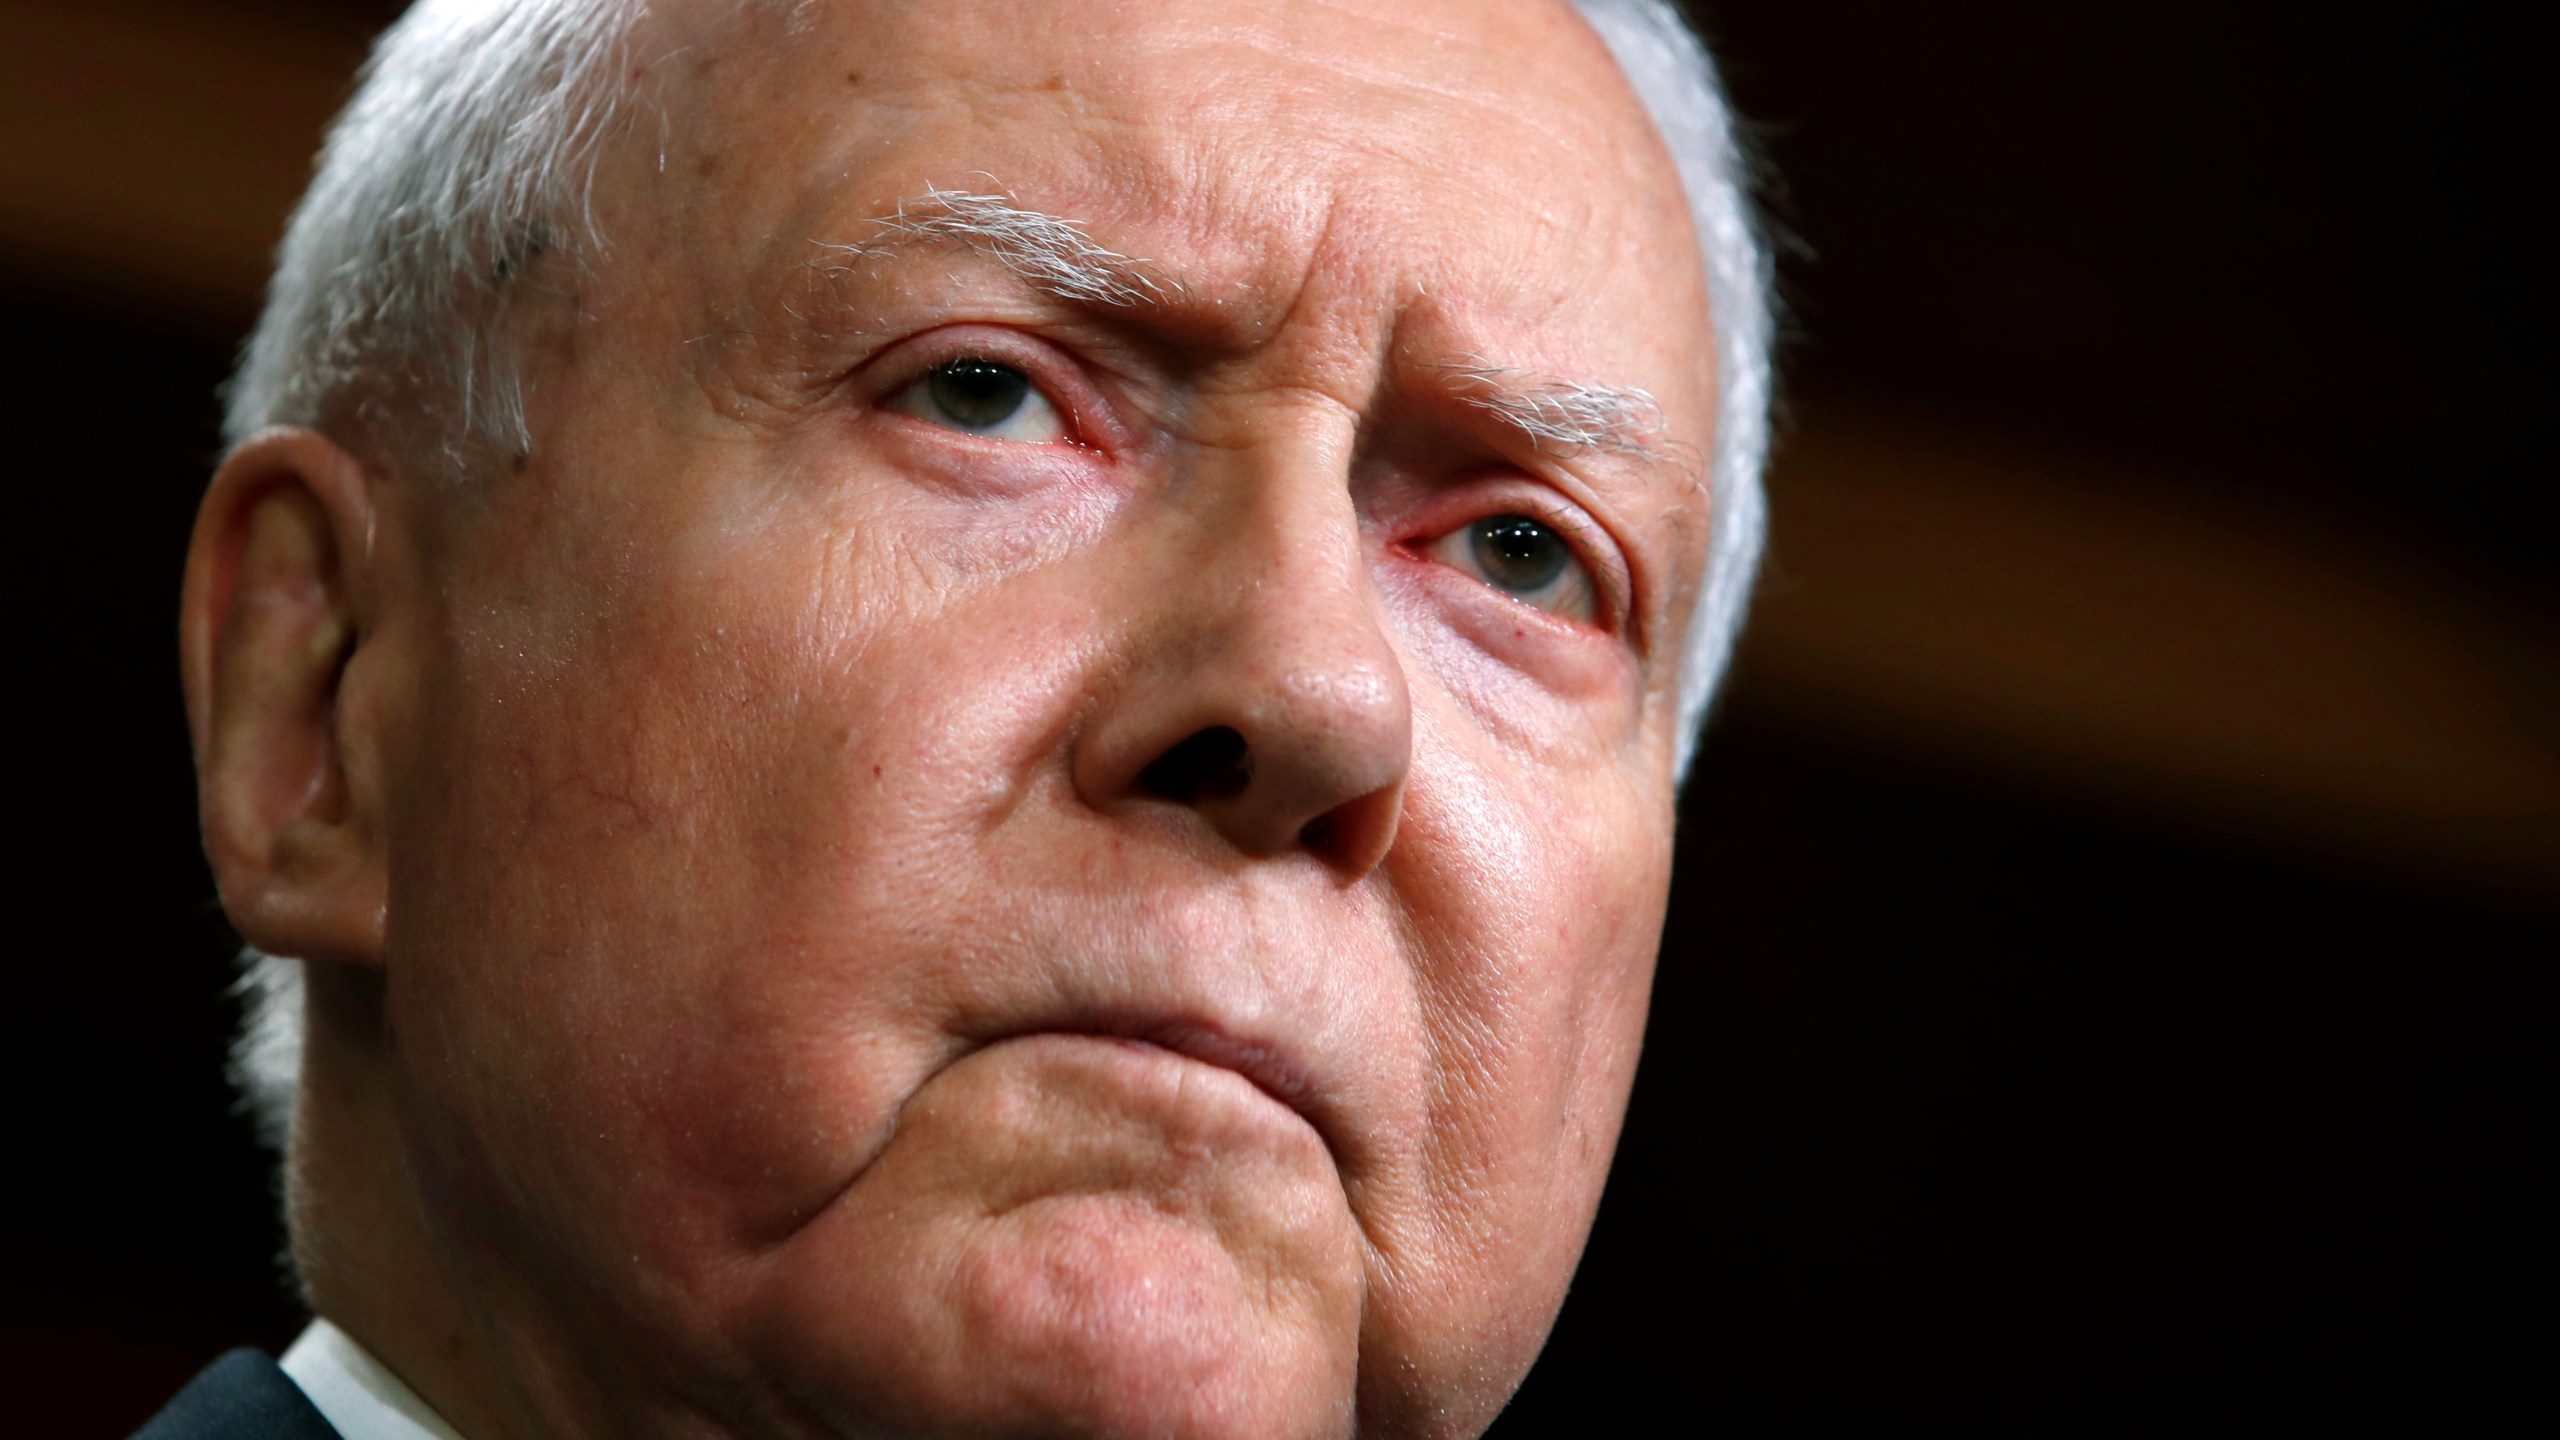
x: 357, y: 1393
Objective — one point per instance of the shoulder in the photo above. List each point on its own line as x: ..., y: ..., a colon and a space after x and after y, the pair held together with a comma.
x: 242, y: 1396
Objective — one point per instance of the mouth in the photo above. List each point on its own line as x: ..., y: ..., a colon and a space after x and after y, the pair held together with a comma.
x: 1288, y: 1080
x: 1275, y: 1073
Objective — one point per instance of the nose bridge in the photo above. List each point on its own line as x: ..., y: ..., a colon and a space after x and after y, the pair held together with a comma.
x: 1277, y: 544
x: 1262, y: 690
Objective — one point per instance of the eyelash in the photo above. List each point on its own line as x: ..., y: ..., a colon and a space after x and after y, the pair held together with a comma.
x: 1591, y: 544
x: 1089, y: 421
x: 1092, y: 425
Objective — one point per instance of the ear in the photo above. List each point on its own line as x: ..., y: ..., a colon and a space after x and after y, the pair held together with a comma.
x: 272, y: 614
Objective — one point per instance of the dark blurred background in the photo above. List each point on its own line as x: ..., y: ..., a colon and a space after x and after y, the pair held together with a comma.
x: 2101, y: 990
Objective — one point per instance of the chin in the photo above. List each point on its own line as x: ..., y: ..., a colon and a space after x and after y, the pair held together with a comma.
x: 1090, y: 1316
x: 1075, y: 1236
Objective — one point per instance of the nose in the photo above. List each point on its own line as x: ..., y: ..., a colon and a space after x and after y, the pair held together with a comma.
x: 1259, y: 689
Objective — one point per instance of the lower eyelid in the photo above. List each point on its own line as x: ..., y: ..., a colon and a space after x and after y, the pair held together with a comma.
x: 1504, y: 636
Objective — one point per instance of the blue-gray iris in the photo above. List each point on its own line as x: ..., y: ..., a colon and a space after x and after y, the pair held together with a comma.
x: 978, y: 394
x: 1520, y: 554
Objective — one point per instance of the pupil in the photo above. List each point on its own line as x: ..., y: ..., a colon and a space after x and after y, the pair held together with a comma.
x: 1518, y: 553
x: 978, y: 394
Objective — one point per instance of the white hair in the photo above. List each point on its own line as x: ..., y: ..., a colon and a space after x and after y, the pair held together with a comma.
x: 1674, y: 76
x: 1568, y: 416
x: 469, y: 150
x: 1050, y: 253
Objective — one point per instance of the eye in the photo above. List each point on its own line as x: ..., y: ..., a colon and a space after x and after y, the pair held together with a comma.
x: 981, y: 397
x: 1526, y: 559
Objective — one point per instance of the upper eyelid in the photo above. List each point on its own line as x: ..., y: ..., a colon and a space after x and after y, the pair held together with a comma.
x: 1609, y: 575
x: 1086, y: 407
x: 1083, y: 407
x: 1617, y: 574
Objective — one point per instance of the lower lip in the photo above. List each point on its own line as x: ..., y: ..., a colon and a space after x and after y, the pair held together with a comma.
x: 1202, y: 1090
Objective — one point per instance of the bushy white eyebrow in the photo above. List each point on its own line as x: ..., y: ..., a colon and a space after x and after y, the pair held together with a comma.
x: 1567, y: 416
x: 1052, y: 253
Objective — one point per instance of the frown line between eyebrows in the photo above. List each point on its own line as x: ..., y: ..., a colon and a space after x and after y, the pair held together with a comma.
x: 1561, y: 417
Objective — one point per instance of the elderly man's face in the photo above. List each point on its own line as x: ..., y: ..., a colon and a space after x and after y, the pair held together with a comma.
x: 979, y: 848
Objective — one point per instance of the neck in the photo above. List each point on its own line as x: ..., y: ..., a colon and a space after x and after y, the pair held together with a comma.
x: 370, y: 1260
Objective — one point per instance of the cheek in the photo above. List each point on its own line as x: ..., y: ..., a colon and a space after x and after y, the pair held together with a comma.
x: 666, y: 834
x: 549, y: 894
x: 1561, y: 697
x: 1549, y: 901
x: 1538, y: 908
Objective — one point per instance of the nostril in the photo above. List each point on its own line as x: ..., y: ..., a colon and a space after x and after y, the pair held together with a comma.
x: 1214, y: 764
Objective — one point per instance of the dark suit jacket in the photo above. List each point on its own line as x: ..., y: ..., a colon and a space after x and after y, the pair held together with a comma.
x: 242, y: 1396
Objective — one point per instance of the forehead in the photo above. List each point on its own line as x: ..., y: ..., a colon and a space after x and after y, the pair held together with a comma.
x: 1482, y: 156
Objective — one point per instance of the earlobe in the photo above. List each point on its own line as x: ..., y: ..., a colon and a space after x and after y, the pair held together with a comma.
x: 272, y: 615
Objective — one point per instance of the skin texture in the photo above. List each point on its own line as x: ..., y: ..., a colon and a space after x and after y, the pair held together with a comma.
x: 763, y: 981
